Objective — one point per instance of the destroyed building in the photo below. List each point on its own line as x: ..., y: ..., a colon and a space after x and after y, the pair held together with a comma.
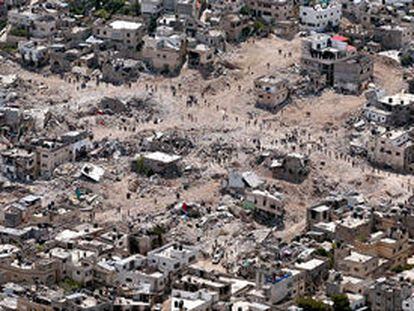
x: 33, y: 53
x: 156, y: 162
x: 137, y: 173
x: 294, y: 167
x: 40, y: 157
x: 119, y: 70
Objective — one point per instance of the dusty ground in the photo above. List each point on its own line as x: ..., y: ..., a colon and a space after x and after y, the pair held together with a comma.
x: 227, y: 112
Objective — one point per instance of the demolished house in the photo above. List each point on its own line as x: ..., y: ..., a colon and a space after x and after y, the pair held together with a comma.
x: 294, y: 167
x: 156, y: 163
x: 33, y: 54
x: 40, y: 157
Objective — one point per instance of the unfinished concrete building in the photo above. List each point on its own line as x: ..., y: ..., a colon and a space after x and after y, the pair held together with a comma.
x: 353, y: 75
x: 322, y: 53
x: 271, y: 92
x: 271, y: 10
x: 18, y: 164
x: 392, y: 37
x: 235, y: 26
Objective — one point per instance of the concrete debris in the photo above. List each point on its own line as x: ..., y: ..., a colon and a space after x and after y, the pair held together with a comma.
x: 93, y: 172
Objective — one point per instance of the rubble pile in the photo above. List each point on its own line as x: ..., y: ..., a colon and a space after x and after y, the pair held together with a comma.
x: 186, y: 155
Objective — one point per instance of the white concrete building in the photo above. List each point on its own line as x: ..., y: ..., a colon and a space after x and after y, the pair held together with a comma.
x: 172, y: 257
x: 319, y: 17
x: 124, y: 34
x: 266, y: 202
x: 201, y: 300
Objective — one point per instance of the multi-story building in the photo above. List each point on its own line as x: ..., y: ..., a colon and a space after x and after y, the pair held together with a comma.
x: 165, y: 53
x: 152, y: 7
x: 278, y: 285
x: 358, y: 265
x: 36, y: 25
x: 392, y: 37
x: 322, y: 53
x: 267, y: 203
x: 388, y: 294
x: 357, y: 11
x: 294, y: 167
x: 172, y: 257
x: 351, y: 228
x: 123, y: 34
x: 41, y: 156
x: 44, y: 271
x: 188, y: 8
x: 320, y: 17
x: 271, y: 92
x: 18, y: 164
x: 395, y: 110
x: 273, y: 10
x: 392, y: 150
x: 235, y: 26
x: 353, y: 75
x: 33, y: 54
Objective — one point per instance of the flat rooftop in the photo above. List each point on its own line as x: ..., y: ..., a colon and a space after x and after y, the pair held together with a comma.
x: 309, y: 265
x: 119, y: 24
x: 162, y: 157
x: 357, y: 257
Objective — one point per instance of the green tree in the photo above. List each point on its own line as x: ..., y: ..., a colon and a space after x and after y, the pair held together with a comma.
x: 114, y: 6
x: 3, y: 24
x: 102, y: 13
x: 245, y: 10
x: 341, y: 303
x: 19, y: 32
x: 136, y: 7
x: 406, y: 60
x: 259, y: 26
x: 152, y: 25
x: 310, y: 304
x: 69, y: 285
